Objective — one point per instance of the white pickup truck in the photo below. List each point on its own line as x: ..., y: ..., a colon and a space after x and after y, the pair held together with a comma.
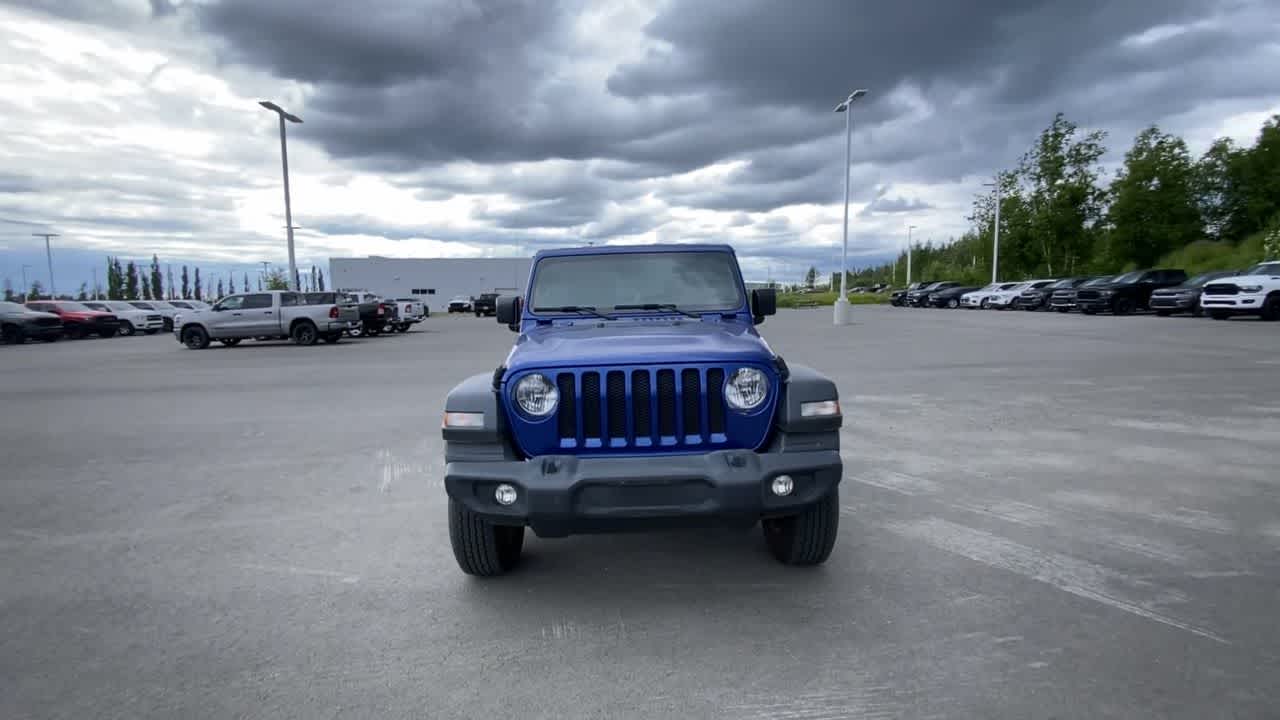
x: 266, y: 315
x: 1256, y: 291
x: 412, y: 312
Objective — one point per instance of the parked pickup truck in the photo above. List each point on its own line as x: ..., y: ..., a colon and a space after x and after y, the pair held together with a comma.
x: 640, y: 400
x: 266, y: 315
x: 375, y: 314
x: 1256, y: 291
x: 411, y: 311
x: 486, y: 304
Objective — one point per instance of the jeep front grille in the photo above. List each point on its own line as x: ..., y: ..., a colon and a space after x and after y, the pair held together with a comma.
x: 688, y: 405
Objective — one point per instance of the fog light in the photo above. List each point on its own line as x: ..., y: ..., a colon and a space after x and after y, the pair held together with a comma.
x: 506, y: 494
x: 782, y: 485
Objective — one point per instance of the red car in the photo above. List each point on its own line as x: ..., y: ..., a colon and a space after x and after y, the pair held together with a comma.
x: 79, y: 320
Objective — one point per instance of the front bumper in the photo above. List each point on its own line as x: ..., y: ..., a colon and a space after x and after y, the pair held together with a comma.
x: 559, y: 495
x: 1098, y: 305
x: 1240, y: 304
x: 1172, y: 302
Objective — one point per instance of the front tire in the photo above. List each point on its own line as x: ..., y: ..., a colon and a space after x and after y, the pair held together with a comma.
x: 1122, y: 306
x: 807, y: 538
x: 304, y: 333
x: 953, y: 303
x: 985, y: 304
x: 1271, y: 308
x: 13, y: 335
x: 230, y: 342
x: 480, y: 547
x: 127, y: 329
x: 195, y: 338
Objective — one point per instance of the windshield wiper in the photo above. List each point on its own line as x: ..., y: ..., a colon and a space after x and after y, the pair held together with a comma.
x: 658, y: 306
x: 579, y: 309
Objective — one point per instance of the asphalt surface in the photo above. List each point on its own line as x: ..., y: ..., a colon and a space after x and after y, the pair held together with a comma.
x: 1045, y: 517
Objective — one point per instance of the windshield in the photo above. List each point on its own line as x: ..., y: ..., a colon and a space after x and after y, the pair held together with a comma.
x: 688, y: 280
x: 1201, y: 280
x: 142, y: 305
x: 1266, y: 268
x: 1099, y: 281
x: 75, y: 307
x: 1069, y: 282
x: 121, y: 306
x: 1131, y: 277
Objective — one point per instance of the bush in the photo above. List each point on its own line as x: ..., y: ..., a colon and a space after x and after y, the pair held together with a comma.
x: 1206, y: 255
x: 791, y: 300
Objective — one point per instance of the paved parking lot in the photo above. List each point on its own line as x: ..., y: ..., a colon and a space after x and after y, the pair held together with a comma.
x: 1045, y: 517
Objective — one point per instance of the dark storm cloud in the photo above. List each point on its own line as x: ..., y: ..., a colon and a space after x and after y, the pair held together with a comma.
x: 97, y: 12
x: 884, y: 204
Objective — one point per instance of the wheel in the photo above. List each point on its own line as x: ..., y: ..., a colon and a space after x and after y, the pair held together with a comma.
x: 1271, y: 308
x: 74, y: 331
x: 356, y: 330
x: 13, y: 335
x: 304, y: 333
x: 1164, y: 313
x: 1219, y: 314
x: 404, y: 327
x: 332, y: 337
x: 230, y: 342
x: 1122, y: 306
x: 372, y: 331
x: 807, y: 538
x: 480, y: 547
x: 195, y: 337
x: 985, y: 304
x: 478, y: 313
x: 127, y: 329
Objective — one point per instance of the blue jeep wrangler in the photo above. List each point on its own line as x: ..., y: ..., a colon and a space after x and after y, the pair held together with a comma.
x: 639, y: 395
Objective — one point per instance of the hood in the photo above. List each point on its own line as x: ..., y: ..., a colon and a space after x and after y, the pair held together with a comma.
x: 28, y: 314
x: 1178, y: 290
x: 86, y: 315
x: 643, y: 341
x: 1269, y: 280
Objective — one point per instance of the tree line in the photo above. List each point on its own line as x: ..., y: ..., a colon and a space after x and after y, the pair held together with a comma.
x: 1058, y: 216
x: 133, y: 281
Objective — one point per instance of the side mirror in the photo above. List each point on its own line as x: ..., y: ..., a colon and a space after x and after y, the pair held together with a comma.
x: 507, y: 308
x: 764, y: 302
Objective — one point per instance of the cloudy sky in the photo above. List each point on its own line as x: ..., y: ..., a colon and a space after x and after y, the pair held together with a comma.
x: 469, y: 127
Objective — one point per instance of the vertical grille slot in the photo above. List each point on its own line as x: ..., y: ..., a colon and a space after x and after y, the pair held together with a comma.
x: 591, y: 404
x: 666, y: 403
x: 567, y: 418
x: 715, y: 401
x: 640, y: 403
x: 690, y: 400
x: 616, y: 397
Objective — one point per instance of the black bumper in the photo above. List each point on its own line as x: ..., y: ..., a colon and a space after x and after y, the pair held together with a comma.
x: 559, y: 495
x: 1093, y: 305
x: 1171, y: 303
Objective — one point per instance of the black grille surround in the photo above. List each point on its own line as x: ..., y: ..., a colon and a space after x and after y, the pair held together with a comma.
x: 1221, y: 289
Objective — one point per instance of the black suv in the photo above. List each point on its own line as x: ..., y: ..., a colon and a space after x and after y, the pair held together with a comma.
x: 486, y: 304
x: 920, y: 297
x: 1186, y: 297
x: 1128, y: 292
x: 1037, y: 298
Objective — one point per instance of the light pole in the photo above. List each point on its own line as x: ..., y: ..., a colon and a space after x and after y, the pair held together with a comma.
x: 25, y: 287
x: 909, y: 229
x: 48, y: 253
x: 284, y: 162
x: 995, y: 246
x: 843, y: 316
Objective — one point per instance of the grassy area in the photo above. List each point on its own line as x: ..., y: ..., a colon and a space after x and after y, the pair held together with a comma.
x: 790, y: 300
x: 1204, y: 256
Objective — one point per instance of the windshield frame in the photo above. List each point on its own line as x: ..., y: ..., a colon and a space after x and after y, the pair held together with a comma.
x: 741, y: 305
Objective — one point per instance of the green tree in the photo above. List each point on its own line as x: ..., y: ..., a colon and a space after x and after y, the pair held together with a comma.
x: 8, y: 291
x: 1219, y: 190
x: 277, y: 280
x: 196, y: 289
x: 146, y: 288
x: 83, y: 294
x: 115, y: 279
x: 186, y: 284
x: 320, y: 281
x: 220, y: 293
x: 1261, y: 179
x: 1153, y: 207
x: 811, y: 277
x: 157, y: 280
x: 36, y: 290
x: 131, y: 281
x: 246, y: 282
x: 1064, y: 202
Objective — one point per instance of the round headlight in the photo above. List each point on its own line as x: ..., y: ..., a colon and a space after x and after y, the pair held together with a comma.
x: 746, y: 390
x: 536, y: 396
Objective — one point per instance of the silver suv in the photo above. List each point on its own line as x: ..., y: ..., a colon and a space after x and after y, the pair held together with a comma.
x: 264, y: 316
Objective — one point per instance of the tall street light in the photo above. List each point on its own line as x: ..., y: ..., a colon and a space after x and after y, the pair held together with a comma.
x: 26, y: 289
x: 909, y: 229
x: 995, y: 247
x: 843, y: 316
x: 284, y: 161
x: 48, y: 253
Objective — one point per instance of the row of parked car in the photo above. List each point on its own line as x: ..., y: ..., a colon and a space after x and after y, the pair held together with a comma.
x: 306, y: 318
x: 1221, y: 295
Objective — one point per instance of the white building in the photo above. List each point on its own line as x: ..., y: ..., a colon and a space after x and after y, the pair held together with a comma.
x: 434, y: 280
